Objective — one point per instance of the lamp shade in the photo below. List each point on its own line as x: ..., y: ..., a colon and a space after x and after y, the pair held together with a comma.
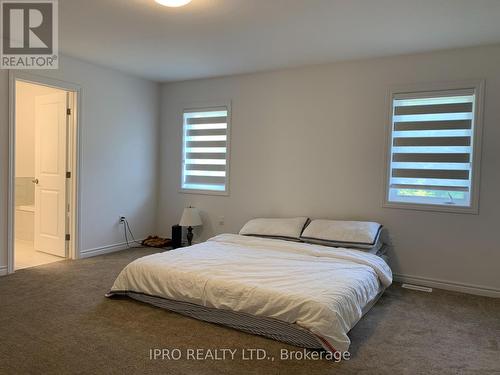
x: 190, y: 217
x: 173, y: 3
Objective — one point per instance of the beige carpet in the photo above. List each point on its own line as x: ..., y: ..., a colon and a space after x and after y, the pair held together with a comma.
x: 54, y: 319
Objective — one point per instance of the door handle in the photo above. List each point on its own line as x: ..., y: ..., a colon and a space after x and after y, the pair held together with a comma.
x: 35, y: 181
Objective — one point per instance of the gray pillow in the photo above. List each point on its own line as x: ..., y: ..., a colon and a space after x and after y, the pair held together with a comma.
x: 363, y: 235
x: 286, y: 229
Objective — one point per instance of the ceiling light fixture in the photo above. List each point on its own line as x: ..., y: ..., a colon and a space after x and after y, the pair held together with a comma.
x: 173, y: 3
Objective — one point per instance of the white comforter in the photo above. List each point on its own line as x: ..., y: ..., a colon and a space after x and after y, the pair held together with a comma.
x: 319, y: 288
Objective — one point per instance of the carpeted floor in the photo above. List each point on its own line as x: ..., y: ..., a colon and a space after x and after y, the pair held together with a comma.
x: 54, y: 319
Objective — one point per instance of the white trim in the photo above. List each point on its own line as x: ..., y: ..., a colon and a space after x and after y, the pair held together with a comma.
x: 479, y: 88
x: 448, y: 285
x: 75, y: 243
x: 104, y: 250
x: 11, y: 175
x: 3, y: 271
x: 199, y: 106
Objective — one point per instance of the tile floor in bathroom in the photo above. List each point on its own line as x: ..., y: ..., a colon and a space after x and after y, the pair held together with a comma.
x: 26, y: 256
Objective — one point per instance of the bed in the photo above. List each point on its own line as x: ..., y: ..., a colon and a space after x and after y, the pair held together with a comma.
x: 304, y: 294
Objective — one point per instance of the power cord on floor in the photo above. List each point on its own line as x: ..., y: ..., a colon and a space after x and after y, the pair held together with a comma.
x: 126, y: 228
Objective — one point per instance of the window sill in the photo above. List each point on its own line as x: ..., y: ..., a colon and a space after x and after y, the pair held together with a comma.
x: 432, y: 207
x: 204, y: 192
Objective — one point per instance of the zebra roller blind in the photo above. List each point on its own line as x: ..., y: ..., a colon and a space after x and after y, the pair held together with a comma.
x: 205, y: 150
x: 432, y: 148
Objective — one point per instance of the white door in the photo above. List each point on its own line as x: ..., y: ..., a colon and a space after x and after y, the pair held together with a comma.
x: 50, y: 173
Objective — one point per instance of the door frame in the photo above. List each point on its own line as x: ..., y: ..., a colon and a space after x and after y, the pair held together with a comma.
x: 74, y: 144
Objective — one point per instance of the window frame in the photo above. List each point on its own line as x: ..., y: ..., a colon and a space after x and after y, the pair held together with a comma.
x: 200, y: 107
x: 416, y: 89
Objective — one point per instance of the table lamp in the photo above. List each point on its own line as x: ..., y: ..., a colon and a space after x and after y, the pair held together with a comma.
x: 190, y: 218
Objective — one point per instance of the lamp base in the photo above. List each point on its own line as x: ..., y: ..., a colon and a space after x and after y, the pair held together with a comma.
x: 189, y: 235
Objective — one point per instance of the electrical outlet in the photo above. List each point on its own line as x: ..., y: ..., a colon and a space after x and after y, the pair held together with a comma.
x: 121, y: 219
x: 221, y: 220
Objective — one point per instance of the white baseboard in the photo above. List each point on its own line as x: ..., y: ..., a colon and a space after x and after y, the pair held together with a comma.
x: 3, y: 270
x: 103, y: 250
x: 447, y: 285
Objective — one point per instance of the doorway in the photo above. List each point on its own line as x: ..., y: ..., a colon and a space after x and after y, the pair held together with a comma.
x: 42, y: 196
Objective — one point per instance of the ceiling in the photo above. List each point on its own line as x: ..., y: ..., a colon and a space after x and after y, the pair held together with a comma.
x: 222, y: 37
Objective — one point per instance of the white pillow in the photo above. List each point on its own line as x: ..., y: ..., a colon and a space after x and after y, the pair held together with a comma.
x: 288, y: 229
x: 353, y: 234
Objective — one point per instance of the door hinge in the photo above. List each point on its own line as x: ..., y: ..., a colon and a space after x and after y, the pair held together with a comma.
x: 68, y: 111
x: 68, y: 237
x: 68, y: 174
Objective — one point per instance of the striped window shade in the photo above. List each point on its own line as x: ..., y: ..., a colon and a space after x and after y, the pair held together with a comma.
x: 432, y: 148
x: 205, y: 154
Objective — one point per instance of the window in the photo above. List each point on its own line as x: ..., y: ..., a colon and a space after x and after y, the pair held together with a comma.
x: 433, y: 152
x: 205, y: 152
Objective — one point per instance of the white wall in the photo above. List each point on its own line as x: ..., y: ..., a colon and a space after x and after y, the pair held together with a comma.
x: 119, y: 146
x: 310, y: 141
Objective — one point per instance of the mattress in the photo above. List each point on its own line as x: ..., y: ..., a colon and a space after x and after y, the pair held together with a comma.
x: 268, y: 327
x: 322, y: 290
